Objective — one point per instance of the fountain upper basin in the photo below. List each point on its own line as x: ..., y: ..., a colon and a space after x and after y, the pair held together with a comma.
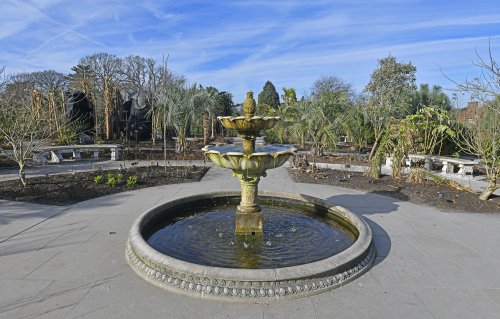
x: 265, y: 157
x: 248, y: 126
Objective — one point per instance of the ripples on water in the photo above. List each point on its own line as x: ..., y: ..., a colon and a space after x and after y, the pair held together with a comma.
x: 289, y: 238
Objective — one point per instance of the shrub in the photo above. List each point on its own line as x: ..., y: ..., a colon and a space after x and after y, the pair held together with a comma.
x: 68, y: 134
x: 416, y: 175
x: 98, y: 179
x: 131, y: 181
x: 111, y: 180
x: 119, y: 177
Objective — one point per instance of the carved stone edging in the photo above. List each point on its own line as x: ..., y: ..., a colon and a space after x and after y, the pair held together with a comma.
x: 165, y: 272
x: 255, y: 291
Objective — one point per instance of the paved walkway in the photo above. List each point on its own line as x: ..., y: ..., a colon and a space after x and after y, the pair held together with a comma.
x: 68, y: 262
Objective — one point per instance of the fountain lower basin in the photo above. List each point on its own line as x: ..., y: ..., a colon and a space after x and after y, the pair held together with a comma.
x: 255, y: 163
x: 247, y: 283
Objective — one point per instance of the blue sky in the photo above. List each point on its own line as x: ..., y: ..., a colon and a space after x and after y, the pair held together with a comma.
x: 237, y: 46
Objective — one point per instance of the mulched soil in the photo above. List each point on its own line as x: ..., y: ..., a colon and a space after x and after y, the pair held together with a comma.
x: 427, y: 193
x: 344, y: 160
x: 5, y: 162
x: 73, y: 188
x: 156, y: 154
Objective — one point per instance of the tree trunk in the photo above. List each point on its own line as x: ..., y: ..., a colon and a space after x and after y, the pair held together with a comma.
x: 153, y: 127
x: 22, y: 174
x: 206, y: 127
x: 492, y: 187
x: 165, y: 147
x: 212, y: 136
x: 180, y: 144
x: 107, y: 107
x: 374, y: 148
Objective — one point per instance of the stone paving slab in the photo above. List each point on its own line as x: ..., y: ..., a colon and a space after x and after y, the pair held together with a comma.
x: 68, y: 262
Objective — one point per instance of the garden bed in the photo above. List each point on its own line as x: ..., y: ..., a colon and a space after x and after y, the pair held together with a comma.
x: 430, y: 193
x: 66, y: 189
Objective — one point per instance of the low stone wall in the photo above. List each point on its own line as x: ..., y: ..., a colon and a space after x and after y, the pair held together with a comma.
x: 250, y: 285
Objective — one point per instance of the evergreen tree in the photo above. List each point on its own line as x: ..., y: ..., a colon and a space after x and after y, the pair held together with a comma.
x: 269, y: 96
x: 390, y: 93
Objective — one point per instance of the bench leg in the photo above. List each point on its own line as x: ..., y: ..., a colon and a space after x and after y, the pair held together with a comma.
x: 388, y: 161
x: 464, y: 170
x: 55, y: 157
x: 115, y: 154
x: 95, y: 154
x: 447, y: 168
x: 76, y: 154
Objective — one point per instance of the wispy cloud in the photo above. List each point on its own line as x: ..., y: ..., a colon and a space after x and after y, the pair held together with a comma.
x: 238, y: 45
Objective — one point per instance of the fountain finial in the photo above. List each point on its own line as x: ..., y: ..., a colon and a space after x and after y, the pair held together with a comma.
x: 249, y: 106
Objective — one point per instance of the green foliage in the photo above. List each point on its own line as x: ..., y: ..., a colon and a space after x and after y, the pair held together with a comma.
x: 334, y: 104
x: 309, y: 122
x: 375, y: 170
x: 390, y: 92
x: 119, y: 177
x: 429, y: 127
x: 419, y: 133
x: 111, y: 181
x: 131, y: 180
x: 68, y: 134
x: 426, y: 97
x: 269, y: 96
x: 357, y: 127
x: 396, y: 142
x: 391, y: 86
x: 98, y: 179
x: 289, y: 96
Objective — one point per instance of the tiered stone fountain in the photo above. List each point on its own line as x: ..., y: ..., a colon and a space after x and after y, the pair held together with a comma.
x: 247, y: 164
x: 293, y: 246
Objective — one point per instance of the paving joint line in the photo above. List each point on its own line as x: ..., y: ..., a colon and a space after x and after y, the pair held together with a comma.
x: 32, y: 226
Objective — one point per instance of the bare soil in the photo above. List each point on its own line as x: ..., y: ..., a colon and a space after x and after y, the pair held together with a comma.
x: 428, y: 193
x: 66, y: 189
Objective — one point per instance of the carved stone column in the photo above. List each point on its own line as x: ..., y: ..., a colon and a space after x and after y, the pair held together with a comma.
x: 248, y: 214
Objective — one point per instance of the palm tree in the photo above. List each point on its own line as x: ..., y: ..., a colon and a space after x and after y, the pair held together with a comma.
x: 312, y: 124
x: 208, y: 100
x: 183, y: 107
x: 289, y: 96
x: 434, y: 97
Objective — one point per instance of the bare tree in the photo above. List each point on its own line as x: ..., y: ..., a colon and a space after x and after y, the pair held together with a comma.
x: 331, y: 84
x: 480, y: 136
x: 22, y: 126
x: 106, y: 69
x: 44, y: 81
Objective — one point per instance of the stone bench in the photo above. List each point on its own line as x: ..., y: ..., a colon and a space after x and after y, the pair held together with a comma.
x: 465, y: 166
x: 56, y: 152
x: 449, y: 163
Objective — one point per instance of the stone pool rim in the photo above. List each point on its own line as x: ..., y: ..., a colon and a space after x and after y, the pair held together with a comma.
x: 250, y: 285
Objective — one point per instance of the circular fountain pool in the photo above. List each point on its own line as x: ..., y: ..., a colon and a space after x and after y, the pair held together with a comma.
x: 289, y: 238
x: 307, y: 246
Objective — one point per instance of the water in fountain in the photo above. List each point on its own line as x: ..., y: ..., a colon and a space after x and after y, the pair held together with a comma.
x: 289, y: 238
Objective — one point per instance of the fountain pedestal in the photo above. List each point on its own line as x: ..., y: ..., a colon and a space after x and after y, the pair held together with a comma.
x: 248, y: 214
